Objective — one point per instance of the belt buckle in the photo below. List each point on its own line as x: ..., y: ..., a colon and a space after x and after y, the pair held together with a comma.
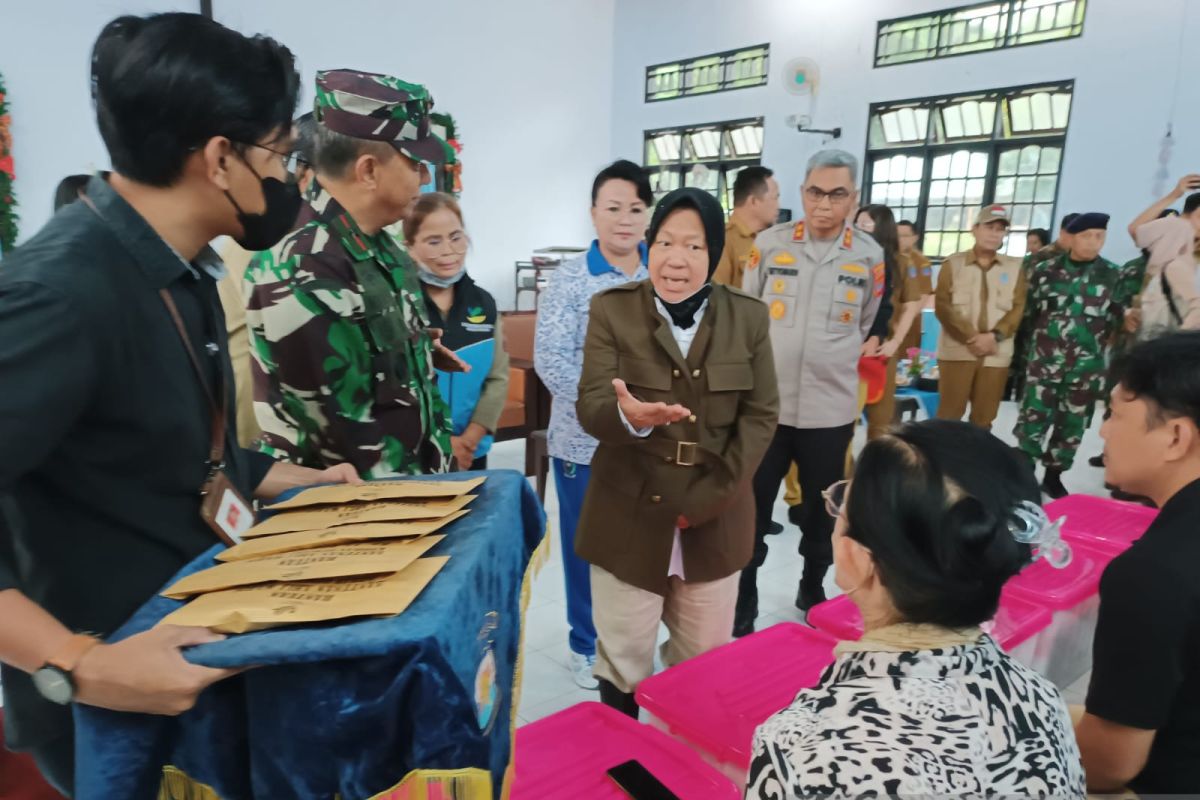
x: 688, y: 448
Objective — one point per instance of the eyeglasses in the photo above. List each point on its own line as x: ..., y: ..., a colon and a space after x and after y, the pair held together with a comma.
x: 835, y: 498
x: 290, y: 160
x: 836, y: 196
x: 456, y: 243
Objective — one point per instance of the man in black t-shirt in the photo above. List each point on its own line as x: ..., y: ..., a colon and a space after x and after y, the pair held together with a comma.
x: 1142, y: 726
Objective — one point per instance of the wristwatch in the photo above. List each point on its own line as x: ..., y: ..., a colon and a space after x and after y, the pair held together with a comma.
x: 1000, y: 337
x: 54, y: 681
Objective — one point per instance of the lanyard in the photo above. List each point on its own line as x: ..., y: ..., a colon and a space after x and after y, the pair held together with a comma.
x: 217, y: 413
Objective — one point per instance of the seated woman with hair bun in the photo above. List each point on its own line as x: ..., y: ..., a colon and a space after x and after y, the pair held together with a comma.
x: 938, y: 516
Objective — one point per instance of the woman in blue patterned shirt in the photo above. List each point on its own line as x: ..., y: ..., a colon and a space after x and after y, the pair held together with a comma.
x: 621, y: 198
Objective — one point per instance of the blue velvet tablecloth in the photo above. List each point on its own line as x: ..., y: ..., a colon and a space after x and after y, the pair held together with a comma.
x: 346, y: 710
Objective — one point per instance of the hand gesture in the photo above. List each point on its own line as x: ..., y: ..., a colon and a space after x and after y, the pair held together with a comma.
x: 341, y: 473
x: 983, y: 344
x: 646, y: 415
x: 1188, y: 183
x: 146, y: 673
x: 444, y: 358
x: 888, y: 348
x: 1133, y: 320
x: 464, y: 451
x: 871, y: 346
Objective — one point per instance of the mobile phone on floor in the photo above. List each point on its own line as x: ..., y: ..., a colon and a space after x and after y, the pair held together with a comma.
x: 637, y: 782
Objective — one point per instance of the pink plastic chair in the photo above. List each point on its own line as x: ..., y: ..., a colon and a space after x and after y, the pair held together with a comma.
x: 1112, y: 524
x: 567, y: 755
x: 715, y: 701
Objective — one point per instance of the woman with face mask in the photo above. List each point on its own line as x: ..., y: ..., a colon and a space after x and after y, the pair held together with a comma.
x: 470, y: 325
x: 679, y: 389
x: 939, y: 515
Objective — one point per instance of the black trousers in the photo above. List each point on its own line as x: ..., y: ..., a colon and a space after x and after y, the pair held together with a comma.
x: 820, y: 458
x: 56, y: 761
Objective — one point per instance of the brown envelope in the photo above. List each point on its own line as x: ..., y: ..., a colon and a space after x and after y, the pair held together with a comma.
x: 339, y: 561
x: 391, y: 511
x: 273, y: 604
x: 377, y: 490
x: 343, y: 534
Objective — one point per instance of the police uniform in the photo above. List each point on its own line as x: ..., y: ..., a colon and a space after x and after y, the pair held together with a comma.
x: 343, y: 355
x: 972, y: 298
x: 822, y: 298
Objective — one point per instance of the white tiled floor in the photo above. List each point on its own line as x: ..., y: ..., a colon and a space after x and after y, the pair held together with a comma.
x: 548, y: 686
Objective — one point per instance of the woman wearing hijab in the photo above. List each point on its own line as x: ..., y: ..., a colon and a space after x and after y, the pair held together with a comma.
x: 679, y: 388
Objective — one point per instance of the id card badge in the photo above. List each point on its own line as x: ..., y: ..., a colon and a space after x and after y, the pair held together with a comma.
x: 224, y: 509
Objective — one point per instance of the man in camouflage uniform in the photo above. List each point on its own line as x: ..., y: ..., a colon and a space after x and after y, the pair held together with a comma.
x: 344, y: 358
x: 1014, y: 388
x: 1076, y: 300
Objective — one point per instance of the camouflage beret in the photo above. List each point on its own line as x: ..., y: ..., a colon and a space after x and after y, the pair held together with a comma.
x: 381, y: 108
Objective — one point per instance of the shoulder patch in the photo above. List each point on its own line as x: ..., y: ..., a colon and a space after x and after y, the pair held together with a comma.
x: 754, y: 259
x: 798, y: 231
x: 878, y: 271
x: 848, y: 238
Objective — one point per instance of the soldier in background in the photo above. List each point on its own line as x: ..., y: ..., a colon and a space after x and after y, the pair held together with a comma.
x: 1015, y: 388
x: 1076, y: 301
x: 344, y: 356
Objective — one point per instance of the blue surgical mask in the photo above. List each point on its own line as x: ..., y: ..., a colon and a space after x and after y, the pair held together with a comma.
x: 429, y: 278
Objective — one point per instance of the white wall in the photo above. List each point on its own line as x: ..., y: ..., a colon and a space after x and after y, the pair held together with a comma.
x: 1124, y: 68
x: 529, y: 83
x: 45, y: 55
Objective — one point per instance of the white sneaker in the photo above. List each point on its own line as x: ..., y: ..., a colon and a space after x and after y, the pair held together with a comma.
x: 581, y: 669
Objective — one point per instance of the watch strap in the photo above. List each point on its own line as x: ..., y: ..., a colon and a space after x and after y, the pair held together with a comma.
x: 70, y: 654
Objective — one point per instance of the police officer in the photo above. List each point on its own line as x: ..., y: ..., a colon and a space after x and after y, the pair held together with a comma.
x: 344, y: 358
x: 1077, y: 301
x: 823, y: 282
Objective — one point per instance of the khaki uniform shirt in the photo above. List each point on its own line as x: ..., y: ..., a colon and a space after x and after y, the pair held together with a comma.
x: 739, y: 243
x: 822, y: 298
x: 915, y: 284
x: 972, y: 299
x: 230, y: 290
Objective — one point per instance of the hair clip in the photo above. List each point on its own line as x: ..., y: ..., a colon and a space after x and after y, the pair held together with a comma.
x: 1029, y: 525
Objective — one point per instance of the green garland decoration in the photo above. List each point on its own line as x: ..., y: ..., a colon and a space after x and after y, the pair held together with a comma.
x: 8, y: 201
x: 450, y: 175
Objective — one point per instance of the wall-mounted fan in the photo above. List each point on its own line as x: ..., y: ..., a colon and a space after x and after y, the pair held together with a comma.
x: 801, y: 76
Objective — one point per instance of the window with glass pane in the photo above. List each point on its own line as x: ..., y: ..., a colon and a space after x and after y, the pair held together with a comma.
x: 705, y: 156
x: 895, y: 181
x: 718, y: 72
x: 976, y: 28
x: 1027, y: 182
x: 1002, y: 146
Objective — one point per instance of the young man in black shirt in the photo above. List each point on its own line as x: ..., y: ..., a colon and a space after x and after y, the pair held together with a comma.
x: 1142, y: 726
x: 110, y: 411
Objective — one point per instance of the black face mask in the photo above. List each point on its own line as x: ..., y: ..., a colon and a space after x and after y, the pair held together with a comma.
x: 263, y: 231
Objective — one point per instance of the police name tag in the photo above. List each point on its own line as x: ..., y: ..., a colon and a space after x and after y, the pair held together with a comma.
x: 224, y: 510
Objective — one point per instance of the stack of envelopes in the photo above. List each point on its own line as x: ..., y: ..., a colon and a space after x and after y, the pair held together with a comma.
x: 329, y: 553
